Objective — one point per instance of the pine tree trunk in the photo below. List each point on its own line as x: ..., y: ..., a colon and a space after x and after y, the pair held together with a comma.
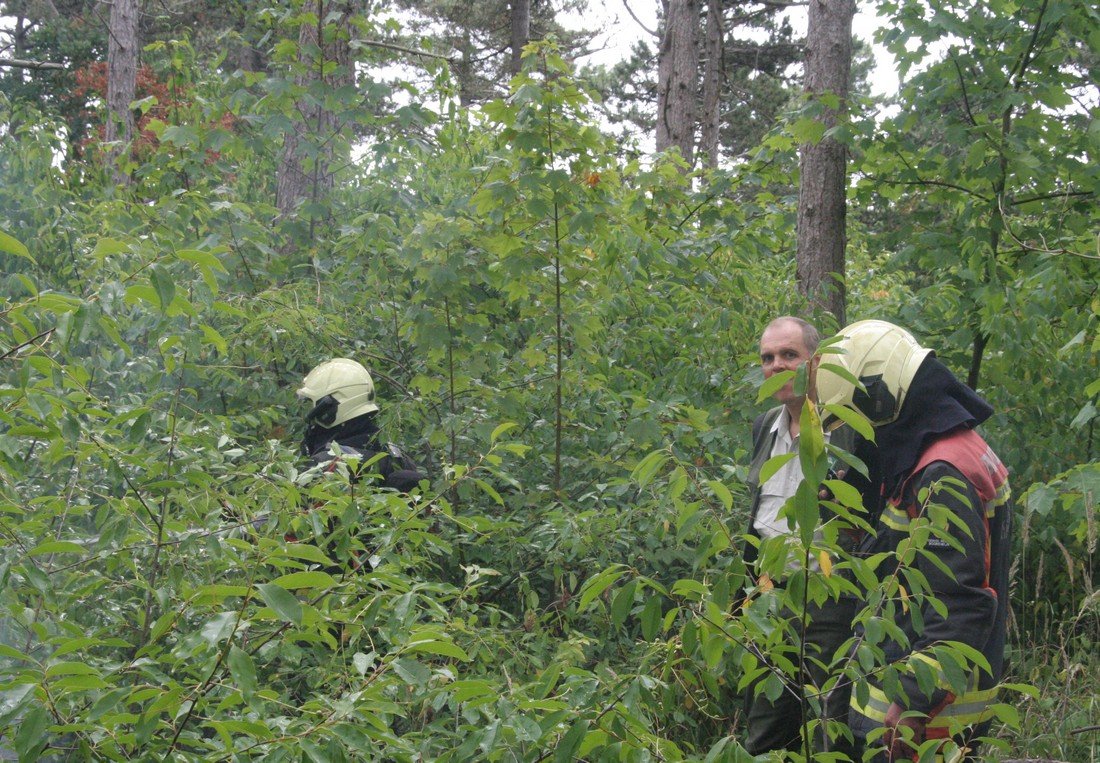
x: 710, y: 119
x: 823, y: 165
x: 324, y: 53
x: 122, y: 61
x: 678, y: 64
x: 521, y: 32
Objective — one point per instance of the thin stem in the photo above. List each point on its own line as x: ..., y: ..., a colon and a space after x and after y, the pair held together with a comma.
x: 155, y: 573
x: 451, y: 387
x: 557, y: 313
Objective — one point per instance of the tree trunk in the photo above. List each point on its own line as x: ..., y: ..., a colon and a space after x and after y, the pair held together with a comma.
x: 678, y: 63
x: 521, y: 32
x: 823, y: 165
x: 324, y: 54
x: 712, y: 83
x: 122, y: 61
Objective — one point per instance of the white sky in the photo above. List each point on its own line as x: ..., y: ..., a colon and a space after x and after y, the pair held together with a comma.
x: 619, y: 31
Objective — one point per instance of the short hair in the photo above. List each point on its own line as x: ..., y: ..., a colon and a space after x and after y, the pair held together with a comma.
x: 810, y: 335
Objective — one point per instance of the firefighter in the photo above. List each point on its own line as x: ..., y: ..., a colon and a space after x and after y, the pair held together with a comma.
x: 926, y: 454
x: 343, y: 413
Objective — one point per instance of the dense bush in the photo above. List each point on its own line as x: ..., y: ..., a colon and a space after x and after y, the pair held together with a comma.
x: 564, y: 338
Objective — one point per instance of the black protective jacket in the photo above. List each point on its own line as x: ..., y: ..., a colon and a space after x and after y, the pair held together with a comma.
x: 929, y: 460
x: 358, y: 438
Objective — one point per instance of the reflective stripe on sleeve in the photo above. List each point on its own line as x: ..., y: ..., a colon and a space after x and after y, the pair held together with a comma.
x: 894, y: 517
x: 969, y: 709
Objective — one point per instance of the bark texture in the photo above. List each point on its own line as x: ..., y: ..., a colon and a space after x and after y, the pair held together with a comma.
x: 306, y: 167
x: 677, y: 68
x: 521, y: 32
x: 122, y: 63
x: 823, y: 165
x: 710, y: 117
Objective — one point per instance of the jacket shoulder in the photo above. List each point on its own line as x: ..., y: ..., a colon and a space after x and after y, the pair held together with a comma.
x: 763, y: 423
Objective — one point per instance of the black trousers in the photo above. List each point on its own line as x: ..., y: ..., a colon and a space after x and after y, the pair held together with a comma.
x: 778, y: 725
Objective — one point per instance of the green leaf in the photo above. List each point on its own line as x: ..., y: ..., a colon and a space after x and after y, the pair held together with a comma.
x: 242, y: 669
x: 501, y: 429
x: 107, y: 247
x: 211, y: 336
x: 690, y: 589
x: 219, y: 627
x: 1087, y: 413
x: 490, y: 491
x: 599, y: 583
x: 57, y: 547
x: 204, y: 259
x: 623, y: 602
x: 305, y: 551
x: 722, y: 492
x: 179, y: 135
x: 12, y: 702
x: 12, y: 245
x: 412, y: 672
x: 852, y: 418
x: 309, y: 579
x: 79, y: 683
x: 441, y: 648
x: 774, y: 464
x: 648, y: 466
x: 468, y: 689
x: 164, y: 287
x: 808, y: 130
x: 844, y: 493
x: 12, y: 653
x: 215, y: 594
x: 840, y: 371
x: 651, y: 618
x: 773, y: 384
x: 282, y: 602
x: 31, y: 735
x: 570, y: 742
x: 70, y: 669
x: 314, y: 751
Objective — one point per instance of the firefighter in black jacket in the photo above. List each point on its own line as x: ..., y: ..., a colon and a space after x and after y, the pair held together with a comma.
x: 926, y: 457
x: 343, y: 412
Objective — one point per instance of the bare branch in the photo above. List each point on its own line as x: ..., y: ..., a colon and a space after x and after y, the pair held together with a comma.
x: 927, y: 183
x: 637, y: 20
x: 1056, y: 195
x: 401, y: 49
x: 18, y: 63
x: 962, y: 87
x: 1028, y: 56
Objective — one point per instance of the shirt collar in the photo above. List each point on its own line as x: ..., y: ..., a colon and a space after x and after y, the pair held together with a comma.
x: 781, y: 427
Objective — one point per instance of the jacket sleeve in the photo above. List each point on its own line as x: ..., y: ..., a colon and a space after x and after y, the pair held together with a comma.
x: 970, y: 603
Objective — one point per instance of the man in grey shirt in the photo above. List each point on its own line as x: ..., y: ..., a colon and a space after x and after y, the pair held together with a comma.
x: 786, y: 344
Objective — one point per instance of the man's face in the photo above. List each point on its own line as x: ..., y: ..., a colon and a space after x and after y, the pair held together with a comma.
x: 783, y: 348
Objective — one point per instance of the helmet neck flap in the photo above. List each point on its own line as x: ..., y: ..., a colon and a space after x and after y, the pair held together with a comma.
x: 936, y: 403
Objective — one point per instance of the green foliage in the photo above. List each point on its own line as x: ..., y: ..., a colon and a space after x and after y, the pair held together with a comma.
x: 565, y: 339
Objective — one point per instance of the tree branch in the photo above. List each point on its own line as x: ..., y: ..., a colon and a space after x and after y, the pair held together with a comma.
x: 934, y: 183
x: 18, y: 63
x: 1027, y: 58
x: 1056, y: 195
x: 402, y: 49
x: 962, y: 87
x: 637, y: 20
